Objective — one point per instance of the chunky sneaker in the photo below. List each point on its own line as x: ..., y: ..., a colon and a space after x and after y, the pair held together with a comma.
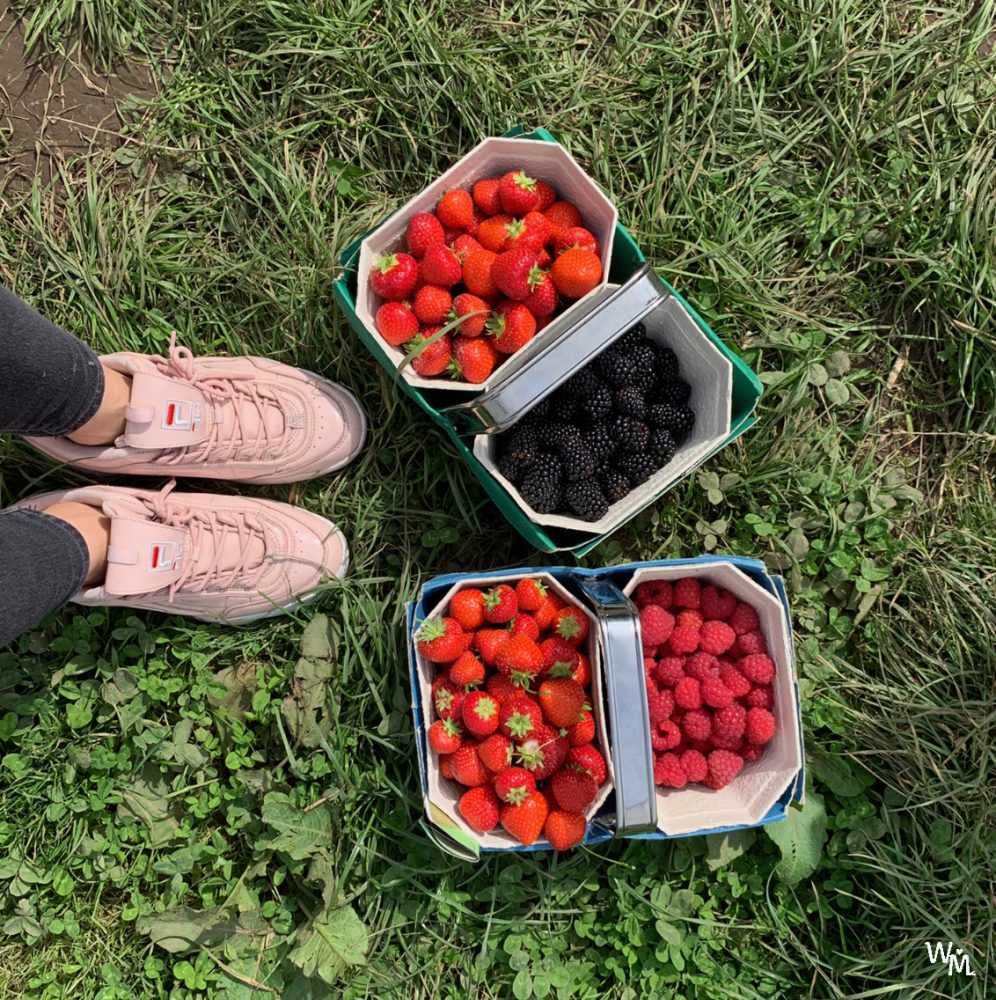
x: 212, y: 557
x: 248, y: 419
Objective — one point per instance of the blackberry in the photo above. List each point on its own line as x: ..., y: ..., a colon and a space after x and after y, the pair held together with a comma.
x: 586, y: 499
x: 665, y: 362
x: 550, y: 433
x: 629, y: 402
x: 522, y: 445
x: 615, y: 485
x: 615, y: 365
x: 637, y: 468
x: 563, y: 407
x: 661, y: 446
x: 512, y: 469
x: 600, y: 440
x: 634, y: 336
x: 631, y: 434
x: 597, y: 404
x: 541, y: 485
x: 537, y: 415
x: 578, y: 461
x: 581, y: 384
x: 675, y: 392
x: 679, y: 420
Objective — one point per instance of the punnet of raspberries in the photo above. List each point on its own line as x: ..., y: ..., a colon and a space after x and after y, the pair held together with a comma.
x: 603, y: 433
x: 502, y: 258
x: 708, y: 680
x: 512, y: 710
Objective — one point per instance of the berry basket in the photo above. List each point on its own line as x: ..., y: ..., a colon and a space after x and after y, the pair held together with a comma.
x: 725, y: 391
x: 630, y: 805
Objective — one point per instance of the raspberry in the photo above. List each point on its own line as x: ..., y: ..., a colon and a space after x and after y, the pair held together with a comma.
x: 690, y: 619
x: 654, y: 592
x: 716, y: 637
x: 715, y: 693
x: 744, y: 619
x: 688, y: 593
x: 724, y: 766
x: 669, y: 670
x: 749, y: 643
x: 757, y: 668
x: 659, y: 706
x: 649, y: 663
x: 704, y: 747
x: 760, y: 726
x: 667, y: 701
x: 694, y: 765
x: 734, y: 743
x: 701, y: 665
x: 668, y: 771
x: 656, y: 626
x: 688, y: 693
x: 728, y: 723
x: 684, y: 640
x: 717, y: 603
x: 760, y: 696
x: 734, y: 680
x: 696, y: 725
x: 666, y: 737
x: 752, y: 752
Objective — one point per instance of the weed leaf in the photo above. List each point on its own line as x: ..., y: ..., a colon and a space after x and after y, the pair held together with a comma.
x: 335, y: 940
x: 299, y: 834
x: 183, y: 929
x: 305, y: 708
x: 800, y: 838
x: 722, y: 848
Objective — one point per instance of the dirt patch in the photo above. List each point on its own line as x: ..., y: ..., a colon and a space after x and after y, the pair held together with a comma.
x: 53, y: 107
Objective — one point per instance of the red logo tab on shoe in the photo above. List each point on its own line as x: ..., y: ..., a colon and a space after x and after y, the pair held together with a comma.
x: 181, y: 415
x: 165, y: 557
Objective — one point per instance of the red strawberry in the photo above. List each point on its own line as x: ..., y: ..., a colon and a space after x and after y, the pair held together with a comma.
x: 517, y: 191
x: 467, y: 766
x: 393, y: 276
x: 477, y: 273
x: 561, y: 699
x: 547, y: 196
x: 456, y: 209
x: 446, y: 766
x: 467, y: 607
x: 523, y: 624
x: 562, y: 215
x: 582, y: 672
x: 512, y: 326
x: 489, y: 642
x: 431, y: 359
x: 432, y: 304
x: 424, y: 230
x: 537, y: 232
x: 475, y: 309
x: 495, y: 752
x: 571, y: 624
x: 564, y: 829
x: 530, y: 593
x: 464, y: 245
x: 514, y: 784
x: 501, y: 688
x: 396, y: 322
x: 520, y: 658
x: 474, y: 359
x: 467, y: 670
x: 512, y: 272
x: 542, y: 299
x: 547, y: 611
x: 441, y: 266
x: 445, y: 736
x: 576, y: 272
x: 573, y: 790
x: 448, y: 701
x: 559, y: 657
x: 440, y: 640
x: 479, y: 807
x: 576, y: 236
x: 480, y: 713
x: 543, y: 752
x: 486, y: 197
x: 525, y: 820
x: 587, y: 758
x: 500, y: 604
x: 583, y: 731
x: 492, y: 233
x: 520, y: 717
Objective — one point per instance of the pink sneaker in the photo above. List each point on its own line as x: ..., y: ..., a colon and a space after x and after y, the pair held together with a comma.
x: 248, y: 419
x: 212, y: 557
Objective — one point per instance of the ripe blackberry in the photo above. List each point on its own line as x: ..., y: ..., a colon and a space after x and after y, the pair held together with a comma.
x: 597, y: 404
x: 629, y: 402
x: 586, y: 499
x: 541, y: 485
x: 563, y: 407
x: 644, y: 376
x: 512, y: 469
x: 578, y: 461
x: 615, y: 365
x: 600, y: 440
x: 636, y: 467
x: 679, y: 420
x: 581, y: 384
x: 661, y: 446
x: 665, y: 362
x: 632, y: 337
x: 550, y: 434
x: 675, y: 391
x: 522, y: 445
x: 615, y: 485
x: 631, y: 434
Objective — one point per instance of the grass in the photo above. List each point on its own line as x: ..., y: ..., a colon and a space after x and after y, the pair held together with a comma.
x: 819, y: 180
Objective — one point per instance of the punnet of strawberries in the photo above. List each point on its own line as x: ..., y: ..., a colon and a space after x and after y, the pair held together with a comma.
x: 709, y: 682
x: 512, y: 711
x: 502, y: 259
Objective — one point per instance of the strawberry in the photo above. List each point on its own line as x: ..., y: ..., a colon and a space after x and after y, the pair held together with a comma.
x: 517, y: 191
x: 463, y: 246
x: 501, y: 688
x: 542, y: 298
x: 514, y: 784
x: 474, y: 359
x: 547, y: 196
x: 547, y: 611
x: 493, y: 234
x: 562, y: 215
x: 524, y: 624
x: 564, y: 829
x: 467, y: 670
x: 520, y: 658
x: 455, y: 209
x: 432, y: 304
x: 576, y: 272
x: 571, y: 625
x: 489, y: 642
x: 467, y: 607
x: 475, y: 309
x: 520, y: 717
x: 537, y: 232
x: 500, y: 604
x: 561, y: 699
x: 396, y: 322
x: 486, y: 197
x: 479, y: 807
x: 587, y: 758
x: 445, y: 736
x: 477, y: 273
x: 431, y: 359
x: 525, y: 820
x: 582, y: 672
x: 467, y: 766
x: 446, y: 766
x: 480, y: 713
x: 393, y: 276
x: 513, y: 271
x: 543, y: 752
x: 440, y: 640
x: 424, y: 230
x: 448, y: 701
x: 495, y: 752
x: 573, y: 790
x: 559, y: 657
x: 576, y: 236
x: 512, y: 326
x: 583, y: 731
x: 530, y: 593
x: 441, y: 266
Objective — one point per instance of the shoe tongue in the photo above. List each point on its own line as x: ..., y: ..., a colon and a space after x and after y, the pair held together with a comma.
x: 165, y: 413
x: 143, y: 555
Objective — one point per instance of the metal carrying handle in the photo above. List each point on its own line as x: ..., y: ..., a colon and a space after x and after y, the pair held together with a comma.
x: 626, y: 697
x: 524, y: 385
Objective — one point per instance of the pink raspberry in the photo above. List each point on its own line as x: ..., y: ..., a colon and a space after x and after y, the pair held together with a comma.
x: 757, y: 668
x: 687, y: 593
x: 717, y: 603
x: 656, y: 626
x: 760, y: 726
x: 744, y: 619
x: 654, y: 592
x: 669, y: 670
x: 649, y: 663
x: 666, y: 698
x: 684, y: 640
x: 734, y: 743
x: 728, y: 723
x: 716, y: 637
x: 696, y: 724
x: 688, y: 693
x: 690, y: 619
x: 748, y: 643
x: 724, y: 766
x: 738, y: 684
x: 760, y: 696
x: 659, y: 707
x: 694, y: 765
x: 715, y: 693
x: 668, y: 771
x: 752, y: 752
x: 701, y: 665
x: 666, y: 736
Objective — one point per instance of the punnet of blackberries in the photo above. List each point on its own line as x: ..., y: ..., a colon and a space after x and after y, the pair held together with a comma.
x: 601, y: 434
